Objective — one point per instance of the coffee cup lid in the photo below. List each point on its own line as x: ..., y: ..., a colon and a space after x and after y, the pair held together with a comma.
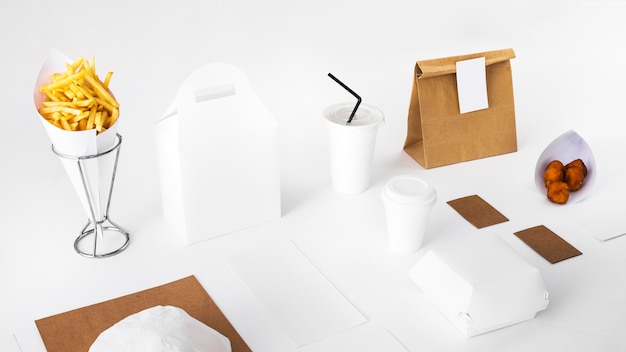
x: 366, y: 115
x: 409, y: 190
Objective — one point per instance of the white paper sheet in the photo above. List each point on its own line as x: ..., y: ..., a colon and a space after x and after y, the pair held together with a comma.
x: 27, y: 338
x: 471, y: 77
x: 603, y: 226
x: 365, y: 338
x: 303, y: 302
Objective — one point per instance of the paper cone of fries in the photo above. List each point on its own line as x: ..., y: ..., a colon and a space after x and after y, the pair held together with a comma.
x: 88, y: 156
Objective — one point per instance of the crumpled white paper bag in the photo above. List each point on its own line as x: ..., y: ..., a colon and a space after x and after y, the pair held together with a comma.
x: 566, y: 148
x: 160, y: 329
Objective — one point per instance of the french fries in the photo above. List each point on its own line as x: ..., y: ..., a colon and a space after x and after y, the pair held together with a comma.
x: 77, y: 100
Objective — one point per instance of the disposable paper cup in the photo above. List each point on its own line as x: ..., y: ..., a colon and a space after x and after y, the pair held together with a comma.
x: 351, y: 145
x: 408, y: 202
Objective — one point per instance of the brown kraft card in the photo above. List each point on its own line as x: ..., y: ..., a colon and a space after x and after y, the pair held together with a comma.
x: 547, y: 244
x: 76, y: 330
x: 477, y: 211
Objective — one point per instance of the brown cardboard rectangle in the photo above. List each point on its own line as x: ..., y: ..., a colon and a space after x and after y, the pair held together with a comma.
x: 76, y: 330
x: 477, y: 211
x: 547, y: 244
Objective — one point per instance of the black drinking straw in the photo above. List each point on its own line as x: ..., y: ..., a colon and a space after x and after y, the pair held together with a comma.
x: 358, y: 102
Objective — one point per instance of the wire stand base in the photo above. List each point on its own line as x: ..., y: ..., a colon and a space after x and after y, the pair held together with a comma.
x: 108, y: 240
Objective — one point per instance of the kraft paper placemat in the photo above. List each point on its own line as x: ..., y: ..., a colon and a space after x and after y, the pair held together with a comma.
x: 477, y: 211
x: 76, y: 330
x: 547, y: 243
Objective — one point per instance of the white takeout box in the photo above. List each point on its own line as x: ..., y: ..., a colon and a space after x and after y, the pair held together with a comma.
x: 480, y: 284
x: 218, y: 156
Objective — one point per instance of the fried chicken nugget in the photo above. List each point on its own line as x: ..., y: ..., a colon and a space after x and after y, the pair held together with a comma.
x: 574, y: 177
x: 578, y: 163
x: 555, y: 172
x: 558, y: 192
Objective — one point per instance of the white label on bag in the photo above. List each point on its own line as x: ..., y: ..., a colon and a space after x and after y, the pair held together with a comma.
x: 471, y: 80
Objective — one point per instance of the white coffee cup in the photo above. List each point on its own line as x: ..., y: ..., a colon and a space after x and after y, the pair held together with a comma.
x: 351, y: 145
x: 408, y: 202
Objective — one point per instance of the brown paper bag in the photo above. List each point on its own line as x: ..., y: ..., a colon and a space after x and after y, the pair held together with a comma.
x: 438, y: 134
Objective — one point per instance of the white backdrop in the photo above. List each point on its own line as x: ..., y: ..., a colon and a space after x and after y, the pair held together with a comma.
x: 568, y: 74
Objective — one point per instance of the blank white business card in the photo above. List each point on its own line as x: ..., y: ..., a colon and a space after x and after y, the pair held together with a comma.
x: 471, y: 77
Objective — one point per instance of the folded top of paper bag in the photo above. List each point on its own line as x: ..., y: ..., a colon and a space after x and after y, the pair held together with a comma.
x: 447, y: 65
x: 160, y: 329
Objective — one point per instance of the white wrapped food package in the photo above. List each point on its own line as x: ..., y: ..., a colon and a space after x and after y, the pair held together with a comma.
x: 160, y: 329
x: 480, y: 284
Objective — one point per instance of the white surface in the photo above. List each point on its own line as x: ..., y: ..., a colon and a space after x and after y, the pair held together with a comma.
x: 568, y: 74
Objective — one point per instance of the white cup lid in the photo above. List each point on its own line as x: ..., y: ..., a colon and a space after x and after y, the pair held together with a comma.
x: 366, y: 116
x: 409, y: 190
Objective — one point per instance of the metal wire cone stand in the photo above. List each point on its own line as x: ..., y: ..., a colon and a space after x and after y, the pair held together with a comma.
x: 104, y: 231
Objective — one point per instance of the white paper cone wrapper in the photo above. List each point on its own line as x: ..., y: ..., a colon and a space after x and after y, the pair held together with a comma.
x: 566, y: 148
x: 78, y: 143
